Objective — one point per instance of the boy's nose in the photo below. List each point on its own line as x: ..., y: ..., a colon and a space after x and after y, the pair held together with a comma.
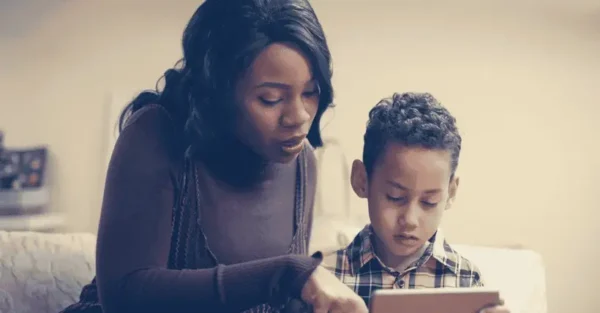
x: 409, y: 219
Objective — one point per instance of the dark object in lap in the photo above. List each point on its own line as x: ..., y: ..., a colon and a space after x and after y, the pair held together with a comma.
x: 88, y: 301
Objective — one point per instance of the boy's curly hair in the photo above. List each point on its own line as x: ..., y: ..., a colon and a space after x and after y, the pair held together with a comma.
x: 413, y: 120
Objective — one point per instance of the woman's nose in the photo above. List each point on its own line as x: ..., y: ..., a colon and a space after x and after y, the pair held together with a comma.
x: 295, y: 114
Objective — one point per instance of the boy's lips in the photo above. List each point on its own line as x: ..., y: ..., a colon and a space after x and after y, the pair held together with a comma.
x: 405, y: 236
x: 406, y: 240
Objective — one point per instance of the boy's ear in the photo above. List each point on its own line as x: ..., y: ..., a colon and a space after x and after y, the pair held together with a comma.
x: 358, y: 179
x: 453, y: 188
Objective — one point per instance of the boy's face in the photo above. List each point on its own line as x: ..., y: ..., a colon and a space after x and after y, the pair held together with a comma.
x: 408, y: 191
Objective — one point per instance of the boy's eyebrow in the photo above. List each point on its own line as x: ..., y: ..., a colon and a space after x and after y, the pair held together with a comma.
x: 399, y: 186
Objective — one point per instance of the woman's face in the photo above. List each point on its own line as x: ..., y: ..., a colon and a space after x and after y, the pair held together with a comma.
x: 278, y: 100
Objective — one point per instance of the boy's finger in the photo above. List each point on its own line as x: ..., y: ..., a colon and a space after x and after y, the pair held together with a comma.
x: 494, y: 309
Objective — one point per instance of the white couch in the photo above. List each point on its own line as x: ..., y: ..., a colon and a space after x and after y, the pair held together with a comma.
x: 44, y: 273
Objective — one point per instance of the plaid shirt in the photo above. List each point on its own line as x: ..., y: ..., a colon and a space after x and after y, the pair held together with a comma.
x: 439, y: 267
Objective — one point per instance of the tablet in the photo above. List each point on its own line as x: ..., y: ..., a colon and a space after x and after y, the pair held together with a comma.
x: 433, y: 300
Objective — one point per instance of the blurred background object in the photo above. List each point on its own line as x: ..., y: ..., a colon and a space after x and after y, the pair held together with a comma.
x: 24, y: 194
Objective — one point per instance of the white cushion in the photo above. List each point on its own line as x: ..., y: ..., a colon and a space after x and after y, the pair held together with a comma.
x: 43, y: 273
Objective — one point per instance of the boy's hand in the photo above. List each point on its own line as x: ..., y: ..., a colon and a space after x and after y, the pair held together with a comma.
x: 495, y: 308
x: 326, y: 294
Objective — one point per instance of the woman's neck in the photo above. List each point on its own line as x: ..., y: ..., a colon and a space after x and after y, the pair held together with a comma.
x: 237, y: 165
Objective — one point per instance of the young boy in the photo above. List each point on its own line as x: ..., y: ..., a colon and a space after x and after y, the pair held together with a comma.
x: 410, y: 155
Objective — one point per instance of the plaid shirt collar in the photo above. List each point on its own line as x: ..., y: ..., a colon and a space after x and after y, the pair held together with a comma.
x: 361, y: 251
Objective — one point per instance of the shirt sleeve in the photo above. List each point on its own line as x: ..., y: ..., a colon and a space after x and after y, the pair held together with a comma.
x: 477, y: 278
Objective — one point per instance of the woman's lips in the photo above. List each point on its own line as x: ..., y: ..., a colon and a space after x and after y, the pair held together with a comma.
x: 293, y: 145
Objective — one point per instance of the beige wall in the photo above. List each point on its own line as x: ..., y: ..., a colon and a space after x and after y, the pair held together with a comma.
x: 521, y: 79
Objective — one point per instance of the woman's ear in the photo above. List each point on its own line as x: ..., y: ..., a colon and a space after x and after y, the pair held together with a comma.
x: 453, y: 188
x: 359, y: 180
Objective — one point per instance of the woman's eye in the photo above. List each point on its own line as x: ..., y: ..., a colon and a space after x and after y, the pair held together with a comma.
x: 269, y: 101
x: 311, y: 93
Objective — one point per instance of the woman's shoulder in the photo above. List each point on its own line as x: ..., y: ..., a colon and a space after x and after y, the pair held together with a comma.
x: 150, y: 134
x: 151, y: 117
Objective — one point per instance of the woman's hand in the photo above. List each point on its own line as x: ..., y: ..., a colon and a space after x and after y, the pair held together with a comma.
x: 327, y: 294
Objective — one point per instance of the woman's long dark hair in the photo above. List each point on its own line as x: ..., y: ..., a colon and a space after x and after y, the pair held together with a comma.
x: 220, y: 42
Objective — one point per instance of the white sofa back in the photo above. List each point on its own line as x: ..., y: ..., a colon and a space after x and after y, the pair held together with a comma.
x: 44, y: 273
x: 519, y: 274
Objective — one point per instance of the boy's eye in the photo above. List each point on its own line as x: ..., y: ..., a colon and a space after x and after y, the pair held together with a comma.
x: 429, y: 204
x: 396, y: 199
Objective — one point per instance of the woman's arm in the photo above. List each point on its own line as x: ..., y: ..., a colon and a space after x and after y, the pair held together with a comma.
x: 135, y: 232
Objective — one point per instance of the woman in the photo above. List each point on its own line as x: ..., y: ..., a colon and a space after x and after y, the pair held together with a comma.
x: 209, y: 193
